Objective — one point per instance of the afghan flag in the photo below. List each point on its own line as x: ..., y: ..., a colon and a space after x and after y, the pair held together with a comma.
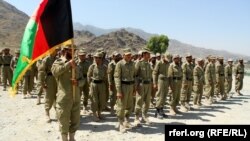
x: 49, y: 27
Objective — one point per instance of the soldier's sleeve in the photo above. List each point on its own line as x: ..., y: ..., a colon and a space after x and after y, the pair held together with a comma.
x: 226, y: 71
x: 110, y: 74
x: 195, y: 75
x: 208, y: 73
x: 217, y: 74
x: 90, y: 73
x: 12, y: 64
x: 80, y: 78
x: 59, y: 67
x: 184, y: 71
x: 156, y: 73
x: 137, y: 71
x: 170, y: 75
x: 117, y: 77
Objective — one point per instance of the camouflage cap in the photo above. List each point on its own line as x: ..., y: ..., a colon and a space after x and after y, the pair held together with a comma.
x: 82, y: 52
x: 230, y: 60
x: 188, y: 55
x: 98, y: 54
x: 152, y: 56
x: 167, y: 55
x: 240, y: 59
x: 7, y: 49
x: 17, y: 51
x: 127, y: 51
x: 145, y: 50
x: 65, y: 47
x: 212, y: 57
x: 199, y: 59
x: 140, y: 52
x: 115, y: 53
x: 176, y: 56
x: 221, y: 58
x: 158, y: 55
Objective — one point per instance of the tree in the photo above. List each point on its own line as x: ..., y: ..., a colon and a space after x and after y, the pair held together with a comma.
x: 158, y: 44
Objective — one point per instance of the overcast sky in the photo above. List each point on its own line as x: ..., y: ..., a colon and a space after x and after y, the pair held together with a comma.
x: 215, y: 24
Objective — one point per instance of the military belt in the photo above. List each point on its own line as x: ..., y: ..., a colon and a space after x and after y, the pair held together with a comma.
x: 176, y: 78
x: 230, y: 74
x: 49, y: 74
x: 189, y: 79
x: 85, y: 75
x: 164, y: 78
x: 128, y: 82
x: 145, y: 81
x: 221, y: 74
x: 97, y: 81
x: 239, y: 72
x: 6, y: 65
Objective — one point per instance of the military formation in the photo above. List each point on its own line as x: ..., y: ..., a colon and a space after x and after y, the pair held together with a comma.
x: 124, y: 84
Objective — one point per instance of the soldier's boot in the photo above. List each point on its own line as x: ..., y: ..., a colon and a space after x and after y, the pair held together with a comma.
x: 107, y: 109
x: 126, y: 123
x: 163, y: 114
x: 183, y: 107
x: 64, y: 137
x: 137, y: 121
x: 71, y: 136
x: 24, y: 96
x: 121, y: 127
x: 100, y: 116
x: 84, y: 110
x: 157, y: 113
x: 172, y: 111
x: 238, y: 92
x: 112, y: 111
x: 145, y: 119
x: 38, y: 100
x: 95, y: 117
x: 48, y: 120
x: 187, y: 105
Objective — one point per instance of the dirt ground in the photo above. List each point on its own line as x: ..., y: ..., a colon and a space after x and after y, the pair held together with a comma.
x: 22, y: 120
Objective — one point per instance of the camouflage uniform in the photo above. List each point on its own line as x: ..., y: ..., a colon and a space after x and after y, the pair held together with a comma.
x: 209, y: 82
x: 28, y: 81
x: 199, y: 81
x: 111, y: 81
x: 161, y: 79
x: 67, y: 108
x: 143, y: 71
x: 220, y: 80
x: 7, y: 73
x: 228, y: 78
x: 124, y: 81
x: 50, y: 84
x: 97, y: 77
x: 85, y: 89
x: 40, y: 79
x: 175, y: 80
x: 239, y: 76
x: 187, y: 85
x: 13, y: 64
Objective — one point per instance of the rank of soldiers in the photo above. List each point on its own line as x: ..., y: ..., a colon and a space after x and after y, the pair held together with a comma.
x: 123, y: 84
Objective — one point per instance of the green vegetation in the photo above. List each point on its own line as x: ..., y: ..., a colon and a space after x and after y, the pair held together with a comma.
x: 158, y: 44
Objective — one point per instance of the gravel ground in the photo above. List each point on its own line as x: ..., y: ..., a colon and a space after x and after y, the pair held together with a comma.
x: 22, y: 120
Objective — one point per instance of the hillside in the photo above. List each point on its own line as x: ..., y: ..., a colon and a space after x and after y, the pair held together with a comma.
x: 12, y: 25
x: 116, y: 41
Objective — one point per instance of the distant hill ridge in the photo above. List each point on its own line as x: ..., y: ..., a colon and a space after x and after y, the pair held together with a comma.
x: 13, y: 22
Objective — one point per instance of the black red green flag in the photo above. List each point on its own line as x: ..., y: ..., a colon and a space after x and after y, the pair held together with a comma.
x: 49, y: 27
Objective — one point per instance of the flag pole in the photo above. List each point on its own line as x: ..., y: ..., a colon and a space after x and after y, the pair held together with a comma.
x: 73, y: 70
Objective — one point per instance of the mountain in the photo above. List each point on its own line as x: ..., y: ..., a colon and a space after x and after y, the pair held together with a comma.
x: 177, y: 47
x: 100, y: 31
x: 82, y: 37
x: 116, y: 41
x: 12, y: 25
